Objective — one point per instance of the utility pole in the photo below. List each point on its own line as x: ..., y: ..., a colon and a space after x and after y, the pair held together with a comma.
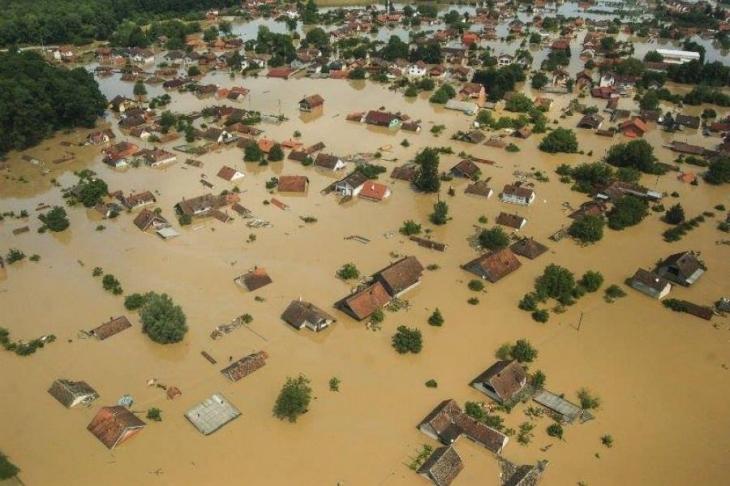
x: 580, y: 321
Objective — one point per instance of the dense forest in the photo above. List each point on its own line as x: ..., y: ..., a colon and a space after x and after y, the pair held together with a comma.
x: 37, y: 98
x: 81, y: 21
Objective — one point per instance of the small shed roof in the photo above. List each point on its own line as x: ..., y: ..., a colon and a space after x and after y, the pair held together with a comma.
x: 110, y: 328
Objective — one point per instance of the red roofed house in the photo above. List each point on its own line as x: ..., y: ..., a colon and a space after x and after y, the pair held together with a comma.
x: 280, y: 72
x: 633, y: 128
x: 294, y: 183
x: 374, y: 191
x: 230, y: 174
x: 364, y: 303
x: 114, y: 425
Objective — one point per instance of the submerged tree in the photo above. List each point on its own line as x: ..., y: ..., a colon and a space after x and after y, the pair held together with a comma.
x: 162, y: 320
x: 427, y: 176
x: 55, y: 219
x: 293, y: 399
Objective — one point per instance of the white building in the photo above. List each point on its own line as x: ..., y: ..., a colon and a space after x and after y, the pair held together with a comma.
x: 672, y: 56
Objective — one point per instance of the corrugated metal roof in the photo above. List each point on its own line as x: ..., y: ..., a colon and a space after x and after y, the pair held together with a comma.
x: 212, y: 413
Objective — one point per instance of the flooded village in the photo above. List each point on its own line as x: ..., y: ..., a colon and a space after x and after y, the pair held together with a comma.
x: 355, y: 244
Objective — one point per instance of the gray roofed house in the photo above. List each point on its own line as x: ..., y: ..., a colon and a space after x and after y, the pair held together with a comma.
x: 212, y: 413
x: 567, y: 412
x: 683, y: 268
x: 525, y: 475
x: 71, y: 393
x: 503, y: 381
x: 479, y: 188
x: 442, y: 466
x: 300, y: 314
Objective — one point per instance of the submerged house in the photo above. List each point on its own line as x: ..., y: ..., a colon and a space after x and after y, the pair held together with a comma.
x: 245, y: 366
x: 300, y: 314
x: 684, y: 268
x: 503, y: 381
x: 310, y: 103
x: 382, y: 119
x: 293, y: 183
x: 528, y: 248
x: 72, y: 393
x: 650, y: 283
x: 466, y: 168
x: 365, y: 302
x: 516, y: 194
x: 351, y: 185
x: 374, y: 191
x: 447, y: 422
x: 212, y: 413
x: 479, y: 188
x: 230, y: 174
x: 442, y: 466
x: 115, y: 425
x: 494, y: 266
x: 110, y: 328
x: 254, y: 279
x: 330, y: 162
x: 401, y: 276
x: 514, y: 221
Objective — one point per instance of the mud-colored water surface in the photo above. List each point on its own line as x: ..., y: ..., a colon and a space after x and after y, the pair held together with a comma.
x: 663, y: 377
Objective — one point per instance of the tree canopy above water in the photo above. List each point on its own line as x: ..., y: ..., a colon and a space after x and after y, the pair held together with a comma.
x: 36, y: 99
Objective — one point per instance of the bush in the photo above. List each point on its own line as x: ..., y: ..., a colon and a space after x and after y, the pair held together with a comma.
x: 523, y: 351
x: 476, y: 285
x: 719, y: 171
x: 55, y: 219
x: 185, y: 219
x: 276, y: 153
x: 432, y: 383
x: 588, y: 401
x: 538, y: 379
x: 555, y: 282
x: 162, y: 320
x: 614, y: 292
x: 512, y: 148
x: 607, y: 440
x: 111, y: 284
x: 293, y: 399
x: 334, y: 384
x: 154, y: 414
x: 410, y: 227
x: 411, y: 92
x: 440, y: 213
x: 436, y: 319
x: 473, y: 301
x: 674, y: 215
x: 14, y: 255
x: 555, y: 430
x: 8, y: 470
x: 348, y: 271
x: 591, y: 281
x: 252, y: 153
x: 407, y: 340
x: 541, y: 315
x: 134, y: 301
x: 588, y: 229
x: 528, y: 302
x: 494, y: 239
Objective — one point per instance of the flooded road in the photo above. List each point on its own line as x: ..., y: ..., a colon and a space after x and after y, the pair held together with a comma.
x: 663, y: 377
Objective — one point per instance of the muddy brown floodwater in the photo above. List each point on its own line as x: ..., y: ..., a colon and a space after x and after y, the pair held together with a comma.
x: 663, y: 377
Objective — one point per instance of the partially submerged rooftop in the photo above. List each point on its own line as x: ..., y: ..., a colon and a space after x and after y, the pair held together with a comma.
x: 212, y: 413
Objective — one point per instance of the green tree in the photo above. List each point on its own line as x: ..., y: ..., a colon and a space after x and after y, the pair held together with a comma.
x: 407, y: 340
x: 588, y: 229
x: 348, y: 271
x: 394, y: 49
x: 310, y: 14
x: 139, y: 89
x: 318, y: 37
x: 493, y: 239
x: 193, y: 71
x: 410, y: 227
x: 276, y: 153
x: 440, y: 213
x: 588, y: 401
x: 252, y: 153
x: 8, y: 470
x: 357, y: 73
x: 523, y: 351
x: 293, y: 399
x: 591, y: 280
x: 559, y: 140
x: 162, y: 320
x: 55, y: 219
x: 719, y: 171
x: 154, y: 414
x: 91, y: 191
x: 650, y: 100
x: 436, y: 319
x: 555, y: 430
x: 134, y: 301
x: 443, y: 94
x: 675, y: 214
x: 627, y: 211
x: 427, y: 176
x: 638, y: 154
x: 210, y: 34
x: 539, y: 80
x: 519, y: 103
x: 556, y: 282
